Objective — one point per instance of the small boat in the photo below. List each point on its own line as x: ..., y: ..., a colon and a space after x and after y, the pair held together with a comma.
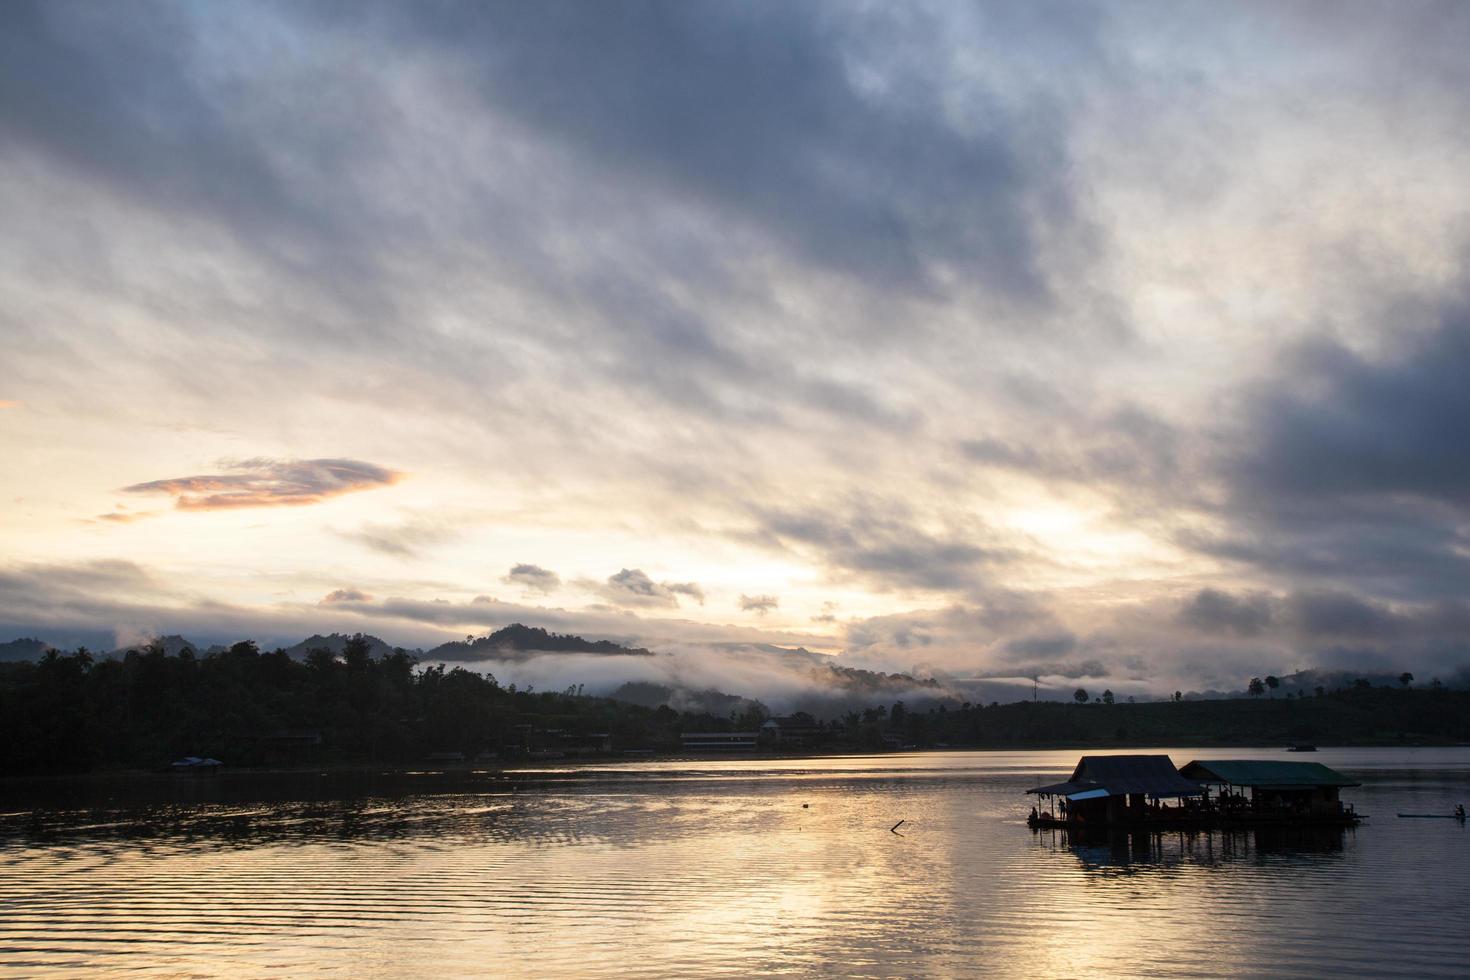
x: 1301, y: 748
x: 1434, y: 816
x: 196, y: 764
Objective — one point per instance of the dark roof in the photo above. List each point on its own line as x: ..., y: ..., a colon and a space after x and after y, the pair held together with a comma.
x: 1062, y: 789
x: 1122, y: 775
x: 1264, y: 772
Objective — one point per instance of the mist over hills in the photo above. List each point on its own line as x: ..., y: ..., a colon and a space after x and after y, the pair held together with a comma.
x: 717, y: 678
x: 720, y: 678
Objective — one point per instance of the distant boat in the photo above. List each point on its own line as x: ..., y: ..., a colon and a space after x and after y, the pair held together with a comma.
x: 196, y: 764
x: 1460, y: 817
x: 1301, y: 748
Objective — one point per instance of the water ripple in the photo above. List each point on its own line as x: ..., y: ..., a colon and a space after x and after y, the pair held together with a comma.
x: 717, y: 868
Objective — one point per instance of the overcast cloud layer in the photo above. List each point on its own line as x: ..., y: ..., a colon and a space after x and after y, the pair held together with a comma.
x: 1122, y: 342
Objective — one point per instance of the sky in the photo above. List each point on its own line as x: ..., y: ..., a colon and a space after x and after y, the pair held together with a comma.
x: 1117, y: 343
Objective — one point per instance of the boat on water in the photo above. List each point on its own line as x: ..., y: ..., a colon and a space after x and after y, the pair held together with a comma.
x: 1459, y: 815
x: 1301, y: 748
x: 1148, y: 792
x: 1433, y: 816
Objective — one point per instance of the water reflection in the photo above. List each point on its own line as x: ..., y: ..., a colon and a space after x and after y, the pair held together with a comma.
x: 742, y: 867
x: 1142, y: 849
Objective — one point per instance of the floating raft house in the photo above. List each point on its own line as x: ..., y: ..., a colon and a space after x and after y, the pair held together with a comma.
x: 1115, y: 789
x: 1307, y: 789
x: 1148, y: 791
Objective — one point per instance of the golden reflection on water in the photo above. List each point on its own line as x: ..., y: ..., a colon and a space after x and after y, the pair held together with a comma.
x: 679, y: 868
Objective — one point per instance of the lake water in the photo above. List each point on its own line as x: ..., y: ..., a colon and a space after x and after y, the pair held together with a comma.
x: 735, y: 867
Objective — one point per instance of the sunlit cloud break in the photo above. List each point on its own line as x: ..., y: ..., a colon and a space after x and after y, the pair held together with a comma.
x: 270, y: 483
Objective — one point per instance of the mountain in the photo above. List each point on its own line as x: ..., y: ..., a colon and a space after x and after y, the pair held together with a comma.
x: 173, y: 644
x: 520, y: 639
x: 335, y: 642
x: 29, y: 648
x: 25, y: 648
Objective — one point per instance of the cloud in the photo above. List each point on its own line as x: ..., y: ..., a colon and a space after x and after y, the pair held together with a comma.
x: 691, y: 589
x: 92, y: 577
x: 533, y: 578
x: 758, y: 604
x: 883, y: 544
x: 1339, y: 426
x: 1212, y: 610
x: 123, y: 73
x: 1054, y: 644
x: 784, y: 117
x: 262, y: 482
x: 70, y: 603
x: 405, y: 539
x: 1340, y: 616
x: 732, y: 261
x: 121, y: 516
x: 1348, y: 471
x: 9, y: 403
x: 633, y: 587
x: 337, y: 596
x: 1127, y: 450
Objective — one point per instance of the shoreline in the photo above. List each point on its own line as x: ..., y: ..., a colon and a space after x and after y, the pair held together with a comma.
x: 510, y: 767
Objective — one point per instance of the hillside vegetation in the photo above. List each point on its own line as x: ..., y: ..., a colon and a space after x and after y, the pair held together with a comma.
x: 70, y: 713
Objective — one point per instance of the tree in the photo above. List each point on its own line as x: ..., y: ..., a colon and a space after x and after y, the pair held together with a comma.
x: 320, y: 659
x: 1273, y: 682
x: 1406, y: 678
x: 1080, y: 695
x: 1256, y: 687
x: 357, y: 652
x: 1178, y: 695
x: 1107, y: 697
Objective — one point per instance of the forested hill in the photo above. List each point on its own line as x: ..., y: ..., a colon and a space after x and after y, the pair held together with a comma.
x: 517, y: 638
x: 1351, y: 716
x: 70, y: 713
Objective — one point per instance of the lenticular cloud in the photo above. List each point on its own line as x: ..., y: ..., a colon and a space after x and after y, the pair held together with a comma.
x: 264, y: 482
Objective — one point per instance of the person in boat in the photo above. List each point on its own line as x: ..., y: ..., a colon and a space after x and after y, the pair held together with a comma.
x: 1033, y: 816
x: 1460, y: 811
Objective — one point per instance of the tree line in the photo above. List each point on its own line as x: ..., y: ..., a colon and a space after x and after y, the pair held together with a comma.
x: 71, y: 712
x: 74, y: 712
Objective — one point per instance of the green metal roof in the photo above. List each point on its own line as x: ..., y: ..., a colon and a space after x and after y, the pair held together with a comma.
x: 1264, y: 772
